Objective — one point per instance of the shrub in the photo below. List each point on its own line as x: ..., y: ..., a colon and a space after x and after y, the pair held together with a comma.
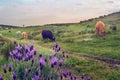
x: 6, y: 48
x: 26, y: 65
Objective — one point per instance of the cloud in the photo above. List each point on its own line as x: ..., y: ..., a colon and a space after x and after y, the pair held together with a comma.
x: 51, y: 11
x: 46, y: 0
x: 111, y: 2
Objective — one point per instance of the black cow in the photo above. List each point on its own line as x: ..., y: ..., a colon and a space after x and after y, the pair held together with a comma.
x: 113, y: 27
x: 48, y: 34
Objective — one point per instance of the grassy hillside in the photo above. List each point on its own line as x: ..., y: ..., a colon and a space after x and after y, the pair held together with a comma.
x: 75, y: 38
x: 72, y: 36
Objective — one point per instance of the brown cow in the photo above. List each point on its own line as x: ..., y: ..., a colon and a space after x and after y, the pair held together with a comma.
x: 100, y: 27
x: 24, y: 35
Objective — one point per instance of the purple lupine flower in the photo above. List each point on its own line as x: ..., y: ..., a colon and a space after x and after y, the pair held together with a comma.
x: 14, y: 42
x: 14, y: 52
x: 14, y: 75
x: 61, y: 77
x: 10, y: 67
x: 67, y: 55
x: 65, y: 73
x: 63, y: 53
x: 88, y: 78
x: 54, y: 61
x: 19, y: 56
x: 26, y: 57
x: 48, y: 78
x: 58, y: 49
x: 27, y: 71
x: 74, y: 78
x: 35, y: 78
x: 71, y: 77
x: 11, y: 54
x: 42, y: 63
x: 33, y: 51
x: 40, y: 55
x: 50, y: 56
x: 19, y: 47
x: 12, y: 79
x: 60, y: 62
x: 33, y: 59
x: 4, y: 68
x: 30, y: 55
x: 26, y: 48
x: 56, y: 45
x: 1, y: 77
x: 45, y: 59
x: 31, y: 46
x: 83, y: 76
x: 69, y: 73
x: 37, y: 72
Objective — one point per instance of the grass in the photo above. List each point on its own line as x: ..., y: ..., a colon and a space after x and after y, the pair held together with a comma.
x: 94, y: 69
x: 71, y: 38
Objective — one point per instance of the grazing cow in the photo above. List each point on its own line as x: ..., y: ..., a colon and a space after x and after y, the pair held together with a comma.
x: 47, y: 34
x: 24, y: 35
x: 100, y: 27
x: 113, y: 27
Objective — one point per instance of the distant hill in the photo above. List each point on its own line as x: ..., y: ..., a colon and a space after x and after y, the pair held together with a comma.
x: 2, y: 26
x: 110, y: 18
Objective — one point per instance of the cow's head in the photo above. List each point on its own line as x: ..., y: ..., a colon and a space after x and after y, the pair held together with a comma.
x: 103, y: 33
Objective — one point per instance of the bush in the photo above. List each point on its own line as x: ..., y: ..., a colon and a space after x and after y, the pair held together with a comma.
x: 6, y: 48
x: 26, y: 65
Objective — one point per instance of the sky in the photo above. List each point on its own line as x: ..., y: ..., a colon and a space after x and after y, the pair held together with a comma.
x: 39, y: 12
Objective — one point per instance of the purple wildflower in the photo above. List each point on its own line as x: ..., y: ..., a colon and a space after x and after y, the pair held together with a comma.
x: 54, y: 61
x: 19, y: 56
x: 33, y: 51
x: 37, y: 72
x: 26, y: 48
x: 14, y: 42
x: 60, y: 62
x: 40, y: 55
x: 61, y: 77
x: 4, y: 68
x: 63, y: 53
x: 1, y: 77
x: 19, y: 47
x: 14, y: 75
x: 27, y: 71
x: 50, y: 56
x: 31, y: 46
x: 71, y: 77
x: 33, y: 59
x: 83, y: 76
x: 42, y: 63
x: 11, y: 54
x: 35, y: 78
x: 10, y: 67
x: 65, y: 73
x: 58, y: 49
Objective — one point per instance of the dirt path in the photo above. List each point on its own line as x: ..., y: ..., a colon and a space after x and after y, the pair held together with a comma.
x: 111, y: 62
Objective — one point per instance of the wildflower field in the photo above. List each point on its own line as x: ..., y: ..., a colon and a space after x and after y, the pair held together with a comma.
x: 77, y: 54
